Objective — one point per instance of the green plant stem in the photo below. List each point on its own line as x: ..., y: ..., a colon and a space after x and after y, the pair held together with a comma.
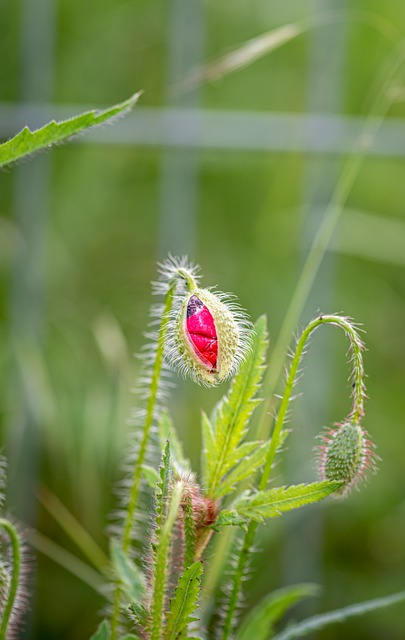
x: 356, y: 414
x: 189, y: 532
x: 12, y: 533
x: 358, y: 377
x: 150, y: 413
x: 162, y: 562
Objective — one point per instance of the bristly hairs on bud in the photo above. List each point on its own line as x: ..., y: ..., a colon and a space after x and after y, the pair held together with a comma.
x: 346, y: 455
x: 209, y: 334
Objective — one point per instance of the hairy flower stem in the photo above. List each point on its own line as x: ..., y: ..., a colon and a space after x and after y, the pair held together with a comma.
x: 356, y: 346
x: 12, y: 533
x: 150, y: 413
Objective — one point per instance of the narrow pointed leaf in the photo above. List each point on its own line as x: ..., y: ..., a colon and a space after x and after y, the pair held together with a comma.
x: 259, y: 622
x: 315, y: 623
x: 184, y: 603
x: 130, y: 577
x: 27, y: 141
x: 245, y: 468
x: 151, y: 475
x: 234, y: 411
x: 103, y: 632
x: 167, y: 431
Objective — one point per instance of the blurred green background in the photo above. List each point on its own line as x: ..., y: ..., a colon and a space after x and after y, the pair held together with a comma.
x: 237, y: 174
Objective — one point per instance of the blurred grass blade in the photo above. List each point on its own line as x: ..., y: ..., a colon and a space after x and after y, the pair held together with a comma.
x: 74, y: 529
x: 27, y: 141
x: 259, y: 622
x: 67, y: 560
x: 255, y: 48
x: 244, y: 55
x: 319, y: 622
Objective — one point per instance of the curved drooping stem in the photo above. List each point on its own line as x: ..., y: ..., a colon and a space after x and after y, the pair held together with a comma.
x: 12, y: 590
x: 357, y: 376
x: 179, y: 273
x: 356, y: 414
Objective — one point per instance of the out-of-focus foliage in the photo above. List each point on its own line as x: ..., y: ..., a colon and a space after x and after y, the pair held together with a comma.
x: 75, y: 285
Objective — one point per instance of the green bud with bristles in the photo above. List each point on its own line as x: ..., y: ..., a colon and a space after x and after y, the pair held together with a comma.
x: 346, y: 455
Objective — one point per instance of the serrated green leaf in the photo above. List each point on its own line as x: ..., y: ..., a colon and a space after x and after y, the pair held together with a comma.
x: 103, y: 631
x: 27, y: 141
x: 259, y: 622
x: 184, y: 603
x: 245, y: 468
x: 274, y: 502
x: 128, y: 574
x: 151, y: 475
x: 315, y: 623
x: 167, y: 431
x: 234, y: 411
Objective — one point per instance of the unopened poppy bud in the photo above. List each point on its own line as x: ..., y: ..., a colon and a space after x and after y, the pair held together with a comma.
x: 209, y: 337
x: 346, y: 455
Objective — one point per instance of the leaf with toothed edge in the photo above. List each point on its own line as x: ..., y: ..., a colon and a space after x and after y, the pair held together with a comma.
x: 184, y: 603
x: 27, y: 141
x: 273, y: 502
x: 245, y: 468
x: 222, y: 441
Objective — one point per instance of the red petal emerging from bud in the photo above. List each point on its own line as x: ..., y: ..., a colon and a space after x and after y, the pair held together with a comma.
x: 202, y: 332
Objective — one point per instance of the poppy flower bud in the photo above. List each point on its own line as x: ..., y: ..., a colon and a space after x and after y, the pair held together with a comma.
x: 346, y: 455
x: 209, y: 337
